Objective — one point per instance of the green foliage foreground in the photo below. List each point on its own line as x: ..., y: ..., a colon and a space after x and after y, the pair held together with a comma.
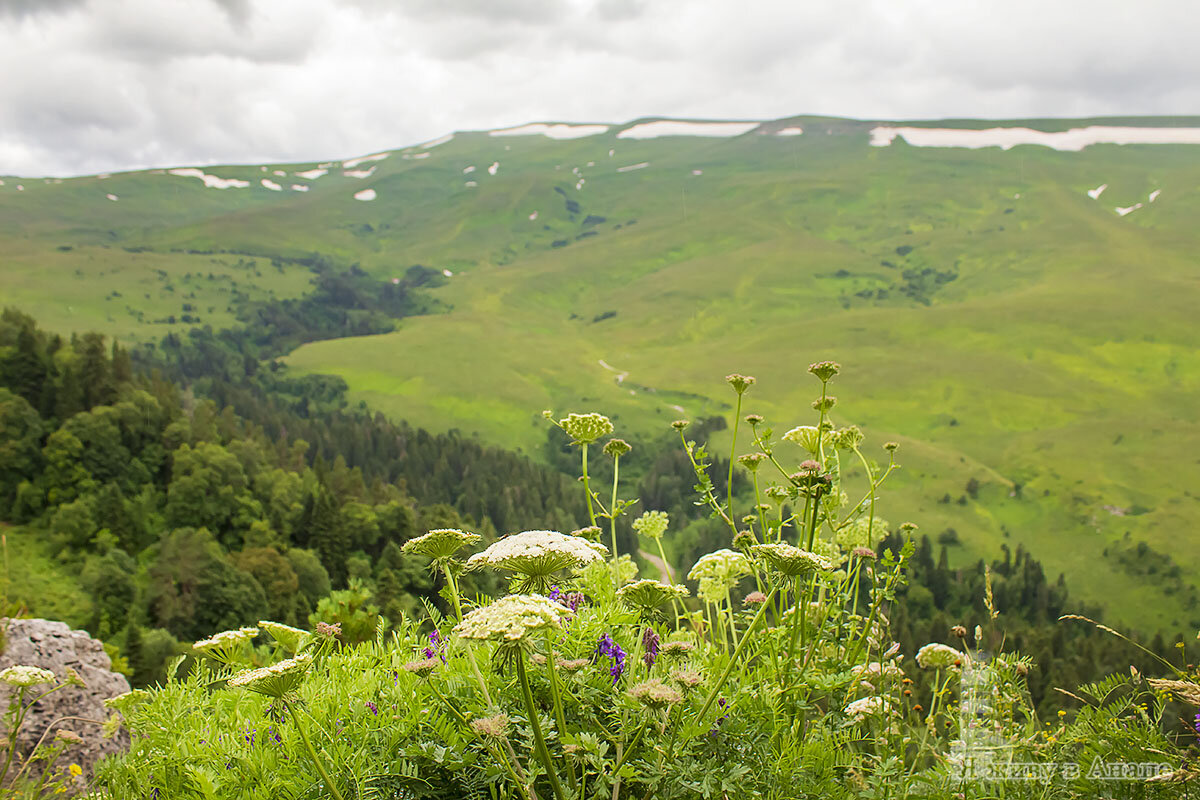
x: 779, y: 679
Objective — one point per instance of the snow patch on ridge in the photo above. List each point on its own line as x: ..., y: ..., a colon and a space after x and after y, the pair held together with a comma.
x: 366, y: 195
x: 112, y: 197
x: 354, y: 162
x: 435, y: 142
x: 1154, y: 195
x: 211, y: 181
x: 1099, y: 190
x: 272, y: 185
x: 1123, y: 211
x: 359, y: 173
x: 312, y: 174
x: 794, y: 130
x: 556, y: 131
x: 632, y: 167
x: 296, y: 187
x: 1005, y: 138
x: 671, y: 127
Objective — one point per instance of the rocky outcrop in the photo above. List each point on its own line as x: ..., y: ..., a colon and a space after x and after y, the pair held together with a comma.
x: 54, y: 646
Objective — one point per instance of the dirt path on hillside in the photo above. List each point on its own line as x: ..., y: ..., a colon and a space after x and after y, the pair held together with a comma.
x: 658, y: 564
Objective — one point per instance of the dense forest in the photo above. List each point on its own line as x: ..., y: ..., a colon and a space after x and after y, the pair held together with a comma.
x: 195, y: 486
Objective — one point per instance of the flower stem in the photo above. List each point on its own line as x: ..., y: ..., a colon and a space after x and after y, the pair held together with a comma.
x: 313, y: 753
x: 538, y: 740
x: 737, y: 416
x: 612, y: 509
x: 556, y: 697
x: 587, y: 487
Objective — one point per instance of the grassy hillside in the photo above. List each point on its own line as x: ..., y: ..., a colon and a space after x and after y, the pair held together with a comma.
x: 1033, y: 350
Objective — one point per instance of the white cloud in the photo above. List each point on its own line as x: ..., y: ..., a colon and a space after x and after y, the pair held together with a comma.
x: 118, y: 84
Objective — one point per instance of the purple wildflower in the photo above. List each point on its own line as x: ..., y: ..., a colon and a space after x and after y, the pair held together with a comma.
x: 607, y: 647
x: 650, y: 641
x: 374, y: 708
x: 437, y: 646
x: 1197, y: 725
x: 573, y: 600
x: 555, y: 594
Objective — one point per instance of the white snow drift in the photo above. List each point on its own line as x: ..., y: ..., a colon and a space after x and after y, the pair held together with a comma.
x: 312, y: 174
x: 359, y: 173
x: 1005, y: 138
x: 557, y: 131
x: 794, y: 130
x: 365, y: 195
x: 1099, y: 190
x: 672, y: 127
x: 632, y: 167
x: 354, y: 162
x: 211, y: 181
x: 272, y: 185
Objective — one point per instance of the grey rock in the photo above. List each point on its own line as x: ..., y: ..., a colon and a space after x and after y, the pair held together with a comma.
x: 54, y: 646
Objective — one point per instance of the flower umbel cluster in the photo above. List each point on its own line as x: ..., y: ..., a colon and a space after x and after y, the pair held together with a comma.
x: 277, y: 680
x: 538, y: 554
x: 23, y: 677
x: 512, y: 619
x: 440, y: 543
x: 791, y: 560
x: 939, y: 656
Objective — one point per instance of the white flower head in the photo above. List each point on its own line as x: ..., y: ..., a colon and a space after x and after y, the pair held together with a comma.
x: 289, y: 638
x: 876, y: 669
x: 441, y: 543
x: 791, y: 560
x: 652, y: 524
x: 867, y: 707
x: 512, y: 619
x: 226, y: 646
x: 649, y: 594
x: 276, y: 680
x: 718, y: 572
x: 538, y: 554
x: 807, y: 437
x: 939, y: 656
x: 862, y: 533
x: 586, y: 428
x: 23, y: 677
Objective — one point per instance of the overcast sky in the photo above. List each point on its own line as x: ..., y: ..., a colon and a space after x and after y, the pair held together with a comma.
x: 101, y: 85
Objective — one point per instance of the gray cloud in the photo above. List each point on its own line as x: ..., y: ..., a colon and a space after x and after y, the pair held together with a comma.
x: 110, y: 84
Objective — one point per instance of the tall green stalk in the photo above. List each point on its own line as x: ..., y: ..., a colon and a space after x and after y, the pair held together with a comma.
x: 587, y: 487
x: 612, y: 508
x: 333, y: 789
x: 539, y: 741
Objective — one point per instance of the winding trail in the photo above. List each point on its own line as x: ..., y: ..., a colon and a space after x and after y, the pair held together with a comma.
x: 658, y: 564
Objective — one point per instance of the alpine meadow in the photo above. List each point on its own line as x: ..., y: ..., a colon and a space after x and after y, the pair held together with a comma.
x: 904, y: 482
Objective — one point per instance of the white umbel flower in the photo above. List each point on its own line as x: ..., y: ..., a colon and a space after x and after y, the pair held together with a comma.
x: 876, y: 669
x: 512, y: 619
x: 441, y: 543
x: 538, y: 554
x: 649, y: 594
x: 807, y: 437
x: 939, y: 656
x: 289, y: 638
x: 717, y: 572
x: 226, y: 646
x: 276, y: 680
x: 22, y: 676
x: 791, y: 560
x: 652, y: 524
x: 867, y: 707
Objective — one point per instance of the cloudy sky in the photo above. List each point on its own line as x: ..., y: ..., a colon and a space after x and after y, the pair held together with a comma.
x: 101, y: 85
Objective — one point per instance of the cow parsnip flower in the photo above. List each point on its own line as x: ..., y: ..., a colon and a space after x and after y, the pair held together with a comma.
x: 648, y: 594
x: 791, y: 560
x: 652, y: 524
x: 440, y: 543
x: 22, y: 676
x: 226, y: 646
x: 867, y: 707
x: 536, y: 555
x: 876, y: 669
x: 586, y: 428
x: 718, y: 572
x: 277, y: 680
x: 513, y: 619
x: 807, y: 437
x: 289, y: 638
x: 656, y: 694
x: 939, y: 656
x: 863, y: 532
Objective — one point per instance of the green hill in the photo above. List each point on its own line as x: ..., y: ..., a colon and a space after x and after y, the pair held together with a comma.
x: 1033, y: 350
